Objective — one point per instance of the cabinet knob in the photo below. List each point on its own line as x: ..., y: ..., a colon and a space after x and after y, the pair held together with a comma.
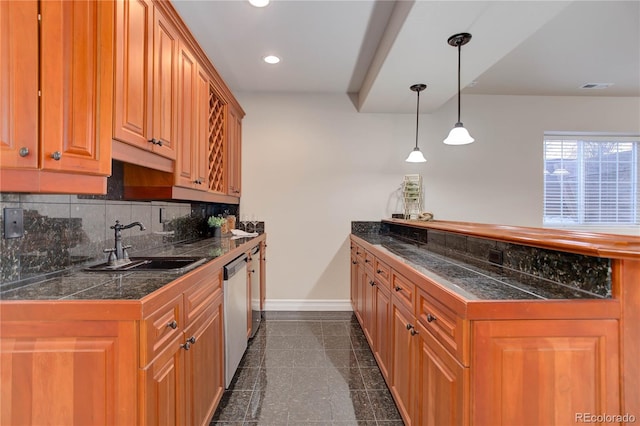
x: 430, y: 318
x: 253, y: 271
x: 186, y: 346
x: 173, y: 324
x: 191, y: 340
x: 24, y: 151
x: 155, y: 141
x: 372, y: 283
x: 409, y: 326
x: 413, y: 332
x: 56, y: 155
x: 366, y: 261
x: 397, y: 288
x: 379, y: 271
x: 354, y: 262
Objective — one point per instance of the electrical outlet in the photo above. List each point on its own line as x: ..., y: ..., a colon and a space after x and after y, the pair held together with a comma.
x: 13, y: 222
x: 495, y: 256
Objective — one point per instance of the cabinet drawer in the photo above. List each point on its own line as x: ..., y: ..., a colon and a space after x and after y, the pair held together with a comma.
x: 383, y: 272
x: 369, y: 259
x: 403, y: 290
x: 160, y: 328
x: 207, y: 285
x: 444, y: 324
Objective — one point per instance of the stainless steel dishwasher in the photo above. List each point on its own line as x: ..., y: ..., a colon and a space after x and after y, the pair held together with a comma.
x: 235, y: 315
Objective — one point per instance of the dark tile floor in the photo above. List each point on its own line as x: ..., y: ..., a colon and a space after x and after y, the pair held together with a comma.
x: 308, y: 368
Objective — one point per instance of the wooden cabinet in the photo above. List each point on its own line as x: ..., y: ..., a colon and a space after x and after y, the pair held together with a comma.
x: 185, y: 380
x: 71, y: 55
x: 145, y: 79
x: 442, y: 385
x: 402, y: 373
x: 19, y: 84
x: 382, y: 344
x: 566, y: 367
x: 450, y: 361
x: 204, y: 364
x: 234, y: 160
x: 89, y: 366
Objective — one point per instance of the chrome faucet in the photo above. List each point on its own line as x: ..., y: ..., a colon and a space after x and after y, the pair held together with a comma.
x: 119, y: 254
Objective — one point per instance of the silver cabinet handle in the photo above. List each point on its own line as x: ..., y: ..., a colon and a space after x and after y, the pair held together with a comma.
x: 24, y: 151
x: 56, y: 155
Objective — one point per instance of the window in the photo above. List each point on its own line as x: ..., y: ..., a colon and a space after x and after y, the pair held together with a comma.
x: 591, y: 180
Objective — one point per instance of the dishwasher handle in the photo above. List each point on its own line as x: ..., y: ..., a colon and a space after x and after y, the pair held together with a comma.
x: 231, y: 268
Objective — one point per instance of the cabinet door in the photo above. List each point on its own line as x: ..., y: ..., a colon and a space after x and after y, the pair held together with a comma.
x: 165, y: 86
x: 234, y: 160
x: 204, y: 365
x: 67, y: 372
x: 19, y: 84
x: 133, y: 76
x: 442, y: 385
x: 544, y: 372
x: 354, y: 282
x: 402, y: 372
x: 187, y: 114
x: 76, y: 59
x: 369, y: 306
x: 201, y: 143
x: 382, y: 327
x: 162, y: 387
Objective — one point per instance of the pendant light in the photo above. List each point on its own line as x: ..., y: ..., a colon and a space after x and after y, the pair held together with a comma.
x: 416, y: 156
x: 459, y: 135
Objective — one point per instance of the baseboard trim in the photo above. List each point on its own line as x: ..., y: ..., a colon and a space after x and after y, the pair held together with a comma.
x: 307, y: 305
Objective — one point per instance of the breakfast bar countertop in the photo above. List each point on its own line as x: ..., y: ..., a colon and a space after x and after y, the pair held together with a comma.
x: 77, y: 284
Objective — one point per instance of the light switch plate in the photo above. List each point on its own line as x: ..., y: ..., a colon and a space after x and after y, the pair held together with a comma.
x: 13, y: 222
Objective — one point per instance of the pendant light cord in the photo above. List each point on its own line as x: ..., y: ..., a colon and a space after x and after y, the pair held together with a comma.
x: 417, y: 115
x: 459, y: 49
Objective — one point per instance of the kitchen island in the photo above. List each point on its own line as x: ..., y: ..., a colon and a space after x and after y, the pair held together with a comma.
x: 487, y: 324
x: 118, y: 348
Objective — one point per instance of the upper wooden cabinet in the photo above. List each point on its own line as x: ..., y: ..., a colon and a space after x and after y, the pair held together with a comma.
x: 146, y: 78
x: 234, y: 126
x: 170, y: 96
x: 56, y: 97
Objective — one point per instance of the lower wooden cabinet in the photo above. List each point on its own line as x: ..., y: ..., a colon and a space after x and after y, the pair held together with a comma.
x: 447, y: 366
x: 204, y: 365
x: 382, y: 346
x: 45, y: 367
x: 442, y: 385
x: 544, y: 372
x: 164, y: 369
x: 162, y: 387
x: 402, y: 373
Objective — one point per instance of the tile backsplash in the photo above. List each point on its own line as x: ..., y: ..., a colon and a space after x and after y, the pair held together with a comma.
x: 61, y: 231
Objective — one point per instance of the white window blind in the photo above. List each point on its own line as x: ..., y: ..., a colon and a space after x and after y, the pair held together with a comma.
x: 591, y: 180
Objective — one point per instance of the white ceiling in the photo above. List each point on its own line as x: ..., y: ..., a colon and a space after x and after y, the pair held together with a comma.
x: 375, y: 50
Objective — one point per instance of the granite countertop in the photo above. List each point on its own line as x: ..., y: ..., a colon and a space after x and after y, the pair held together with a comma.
x: 469, y: 280
x: 77, y: 284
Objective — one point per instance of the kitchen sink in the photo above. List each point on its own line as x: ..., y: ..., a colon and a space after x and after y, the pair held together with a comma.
x: 151, y: 263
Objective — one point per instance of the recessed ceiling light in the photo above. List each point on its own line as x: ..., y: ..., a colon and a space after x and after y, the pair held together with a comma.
x: 596, y: 85
x: 270, y: 59
x: 259, y: 3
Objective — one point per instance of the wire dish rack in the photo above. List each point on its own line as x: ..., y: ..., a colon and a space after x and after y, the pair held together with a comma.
x: 412, y: 196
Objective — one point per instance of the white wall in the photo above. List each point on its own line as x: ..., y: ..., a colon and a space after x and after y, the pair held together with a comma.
x: 312, y: 164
